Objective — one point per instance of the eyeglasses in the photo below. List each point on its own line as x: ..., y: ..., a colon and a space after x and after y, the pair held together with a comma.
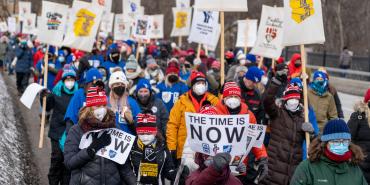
x: 338, y: 142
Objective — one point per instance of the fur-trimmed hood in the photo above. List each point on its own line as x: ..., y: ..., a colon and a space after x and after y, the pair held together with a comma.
x: 361, y: 107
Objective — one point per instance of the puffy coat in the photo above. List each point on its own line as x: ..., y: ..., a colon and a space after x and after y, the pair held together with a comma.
x: 360, y: 132
x: 176, y: 127
x: 324, y: 107
x: 293, y: 70
x: 285, y: 147
x: 166, y: 168
x: 254, y: 101
x: 333, y: 91
x: 327, y: 172
x: 24, y: 60
x: 93, y: 171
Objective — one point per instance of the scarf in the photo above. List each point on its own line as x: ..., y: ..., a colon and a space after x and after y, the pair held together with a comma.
x: 338, y: 158
x: 90, y: 124
x: 57, y: 90
x: 319, y: 87
x: 148, y: 169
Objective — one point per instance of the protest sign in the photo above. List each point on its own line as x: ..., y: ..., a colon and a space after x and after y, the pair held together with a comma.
x: 29, y: 24
x: 12, y: 24
x: 247, y: 33
x: 106, y: 4
x: 212, y: 45
x: 157, y: 28
x: 183, y: 3
x: 119, y: 148
x: 182, y: 21
x: 303, y: 22
x: 122, y: 28
x: 142, y: 27
x: 204, y: 27
x: 24, y: 8
x: 222, y: 5
x: 270, y: 33
x: 83, y: 25
x: 3, y: 27
x: 30, y: 93
x: 212, y: 134
x: 106, y: 24
x: 261, y: 131
x: 132, y: 9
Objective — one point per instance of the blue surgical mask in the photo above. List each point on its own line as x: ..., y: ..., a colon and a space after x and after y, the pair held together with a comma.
x: 339, y: 149
x: 61, y: 59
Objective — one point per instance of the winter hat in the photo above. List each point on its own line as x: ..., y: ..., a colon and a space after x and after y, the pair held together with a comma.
x: 95, y: 97
x: 319, y: 75
x: 251, y: 58
x: 254, y: 74
x: 280, y: 60
x: 68, y: 71
x: 197, y: 77
x: 231, y: 88
x: 296, y: 82
x: 335, y: 129
x: 143, y: 83
x: 117, y: 77
x: 172, y: 69
x: 132, y: 65
x: 367, y: 96
x: 146, y: 124
x: 292, y: 92
x: 93, y: 74
x: 216, y: 64
x: 229, y: 55
x: 131, y: 58
x: 150, y: 61
x: 208, y: 109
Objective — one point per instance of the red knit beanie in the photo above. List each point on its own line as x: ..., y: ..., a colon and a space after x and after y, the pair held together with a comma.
x: 231, y: 88
x: 172, y: 69
x: 208, y: 109
x: 95, y: 97
x: 367, y: 96
x: 292, y: 92
x: 146, y: 124
x: 196, y: 77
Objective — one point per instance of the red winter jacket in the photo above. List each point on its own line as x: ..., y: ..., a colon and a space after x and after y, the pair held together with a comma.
x: 294, y: 71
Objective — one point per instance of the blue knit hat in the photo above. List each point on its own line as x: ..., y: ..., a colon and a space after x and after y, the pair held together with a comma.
x: 251, y: 58
x: 93, y: 74
x: 335, y: 129
x: 68, y: 71
x: 319, y: 74
x: 254, y: 74
x: 296, y: 82
x: 143, y: 83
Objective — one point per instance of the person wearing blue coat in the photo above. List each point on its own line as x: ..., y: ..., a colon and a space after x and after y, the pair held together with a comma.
x: 113, y: 61
x: 23, y: 66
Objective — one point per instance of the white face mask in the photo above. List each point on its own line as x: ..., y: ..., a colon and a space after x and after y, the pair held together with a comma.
x: 154, y: 73
x: 100, y: 113
x: 232, y: 102
x: 69, y: 84
x: 197, y: 62
x: 264, y: 80
x: 292, y: 105
x: 243, y: 62
x: 199, y: 89
x: 146, y: 138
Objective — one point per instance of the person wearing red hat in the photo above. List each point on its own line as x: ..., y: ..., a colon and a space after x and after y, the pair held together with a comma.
x: 359, y: 125
x: 188, y: 102
x: 84, y: 162
x: 150, y: 158
x: 231, y: 104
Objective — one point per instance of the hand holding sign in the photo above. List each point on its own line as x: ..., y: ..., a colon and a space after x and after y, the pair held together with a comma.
x: 99, y: 141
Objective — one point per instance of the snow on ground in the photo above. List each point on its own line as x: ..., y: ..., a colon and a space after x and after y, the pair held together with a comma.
x: 348, y: 101
x: 10, y: 141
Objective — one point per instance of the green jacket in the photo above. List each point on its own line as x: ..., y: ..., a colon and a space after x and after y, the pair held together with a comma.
x: 327, y: 172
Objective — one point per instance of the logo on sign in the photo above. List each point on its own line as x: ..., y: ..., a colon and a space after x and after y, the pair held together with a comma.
x: 301, y: 10
x: 84, y: 22
x: 112, y: 153
x: 53, y: 20
x: 227, y: 148
x: 207, y: 16
x: 181, y: 19
x: 133, y: 7
x: 206, y: 148
x: 215, y: 149
x: 271, y: 34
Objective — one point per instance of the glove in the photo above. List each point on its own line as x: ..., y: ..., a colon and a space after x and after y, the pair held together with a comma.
x: 221, y: 160
x: 307, y: 127
x: 98, y: 143
x: 242, y: 168
x: 45, y: 93
x: 262, y: 168
x: 282, y: 72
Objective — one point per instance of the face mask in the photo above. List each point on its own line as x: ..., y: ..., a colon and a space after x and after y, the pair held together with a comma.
x: 232, y: 102
x: 292, y: 105
x: 340, y: 149
x: 61, y: 59
x: 154, y: 73
x: 115, y: 57
x: 208, y: 162
x: 199, y: 89
x: 143, y: 97
x: 242, y: 62
x: 173, y: 78
x: 146, y: 139
x: 197, y: 62
x: 119, y: 91
x: 297, y: 64
x: 69, y: 84
x: 100, y: 113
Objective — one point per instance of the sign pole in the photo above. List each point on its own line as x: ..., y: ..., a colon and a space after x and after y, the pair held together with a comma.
x: 222, y: 49
x: 260, y: 63
x: 43, y: 115
x: 180, y: 41
x: 305, y: 98
x: 137, y: 51
x: 246, y: 36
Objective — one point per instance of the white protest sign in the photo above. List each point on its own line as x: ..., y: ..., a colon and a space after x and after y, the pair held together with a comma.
x: 261, y: 131
x: 131, y: 9
x: 29, y: 24
x: 181, y: 22
x: 212, y: 45
x: 247, y: 33
x: 12, y: 24
x: 204, y: 27
x: 222, y: 5
x: 119, y: 148
x: 106, y: 24
x: 3, y: 27
x: 270, y: 33
x: 212, y: 134
x: 142, y: 27
x: 157, y: 28
x: 303, y: 22
x: 122, y: 28
x: 182, y: 3
x: 83, y: 25
x: 30, y: 93
x: 106, y: 4
x: 24, y: 8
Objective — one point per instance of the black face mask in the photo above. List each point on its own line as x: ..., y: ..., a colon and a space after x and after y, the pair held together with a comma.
x: 297, y: 64
x: 187, y: 66
x: 173, y: 78
x: 119, y: 91
x: 143, y: 98
x: 99, y: 84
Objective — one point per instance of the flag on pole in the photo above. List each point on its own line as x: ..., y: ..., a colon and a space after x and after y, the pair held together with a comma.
x: 181, y: 22
x: 247, y: 33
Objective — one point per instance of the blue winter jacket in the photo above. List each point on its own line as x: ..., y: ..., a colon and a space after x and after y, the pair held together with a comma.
x: 169, y: 95
x: 24, y: 60
x: 77, y: 102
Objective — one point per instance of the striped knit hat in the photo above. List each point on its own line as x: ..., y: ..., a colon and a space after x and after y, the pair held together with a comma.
x: 146, y: 124
x: 335, y: 129
x: 231, y: 88
x: 292, y: 92
x: 95, y: 97
x: 208, y: 109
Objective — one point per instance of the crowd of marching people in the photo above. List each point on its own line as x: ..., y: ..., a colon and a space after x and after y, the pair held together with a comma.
x: 146, y: 91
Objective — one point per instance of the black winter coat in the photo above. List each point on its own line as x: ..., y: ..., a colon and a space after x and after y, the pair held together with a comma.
x: 59, y: 105
x: 93, y: 171
x: 360, y: 132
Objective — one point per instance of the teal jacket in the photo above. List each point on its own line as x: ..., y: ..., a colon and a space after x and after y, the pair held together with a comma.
x: 327, y: 172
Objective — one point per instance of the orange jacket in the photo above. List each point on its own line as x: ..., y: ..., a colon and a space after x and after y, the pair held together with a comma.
x: 222, y: 110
